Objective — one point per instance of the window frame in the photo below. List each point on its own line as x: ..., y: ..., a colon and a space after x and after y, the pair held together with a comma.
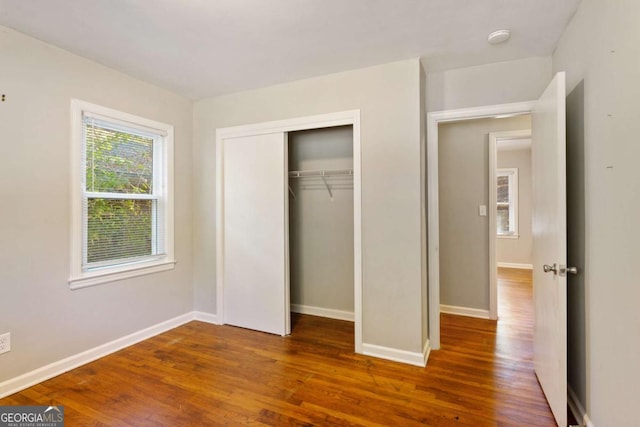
x: 99, y: 273
x: 512, y: 174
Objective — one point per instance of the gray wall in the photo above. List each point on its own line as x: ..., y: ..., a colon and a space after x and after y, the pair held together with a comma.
x: 388, y: 97
x: 423, y: 209
x: 518, y: 251
x: 321, y: 229
x: 463, y: 167
x: 499, y: 83
x: 600, y: 48
x: 47, y: 320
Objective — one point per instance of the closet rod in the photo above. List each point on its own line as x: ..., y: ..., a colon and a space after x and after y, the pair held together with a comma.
x: 321, y: 173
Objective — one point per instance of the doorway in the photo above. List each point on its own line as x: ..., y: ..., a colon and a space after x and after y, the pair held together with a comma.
x: 321, y: 222
x: 510, y: 199
x: 548, y: 225
x: 248, y: 184
x: 433, y: 121
x: 467, y: 162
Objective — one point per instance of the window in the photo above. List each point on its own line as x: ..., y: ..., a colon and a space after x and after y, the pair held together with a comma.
x: 507, y: 203
x: 122, y: 209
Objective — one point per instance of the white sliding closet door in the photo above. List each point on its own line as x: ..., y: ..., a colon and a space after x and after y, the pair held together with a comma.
x: 256, y: 233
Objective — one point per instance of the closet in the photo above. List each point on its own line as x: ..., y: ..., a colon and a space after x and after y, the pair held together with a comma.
x: 289, y: 222
x: 321, y: 237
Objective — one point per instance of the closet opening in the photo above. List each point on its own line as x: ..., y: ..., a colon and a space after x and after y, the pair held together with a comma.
x: 314, y: 267
x: 321, y: 225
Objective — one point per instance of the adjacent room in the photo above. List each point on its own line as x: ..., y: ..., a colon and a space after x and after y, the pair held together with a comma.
x: 418, y: 212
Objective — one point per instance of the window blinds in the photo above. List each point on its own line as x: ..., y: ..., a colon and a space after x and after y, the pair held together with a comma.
x: 122, y: 205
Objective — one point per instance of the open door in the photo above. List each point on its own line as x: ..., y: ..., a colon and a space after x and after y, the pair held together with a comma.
x: 550, y: 245
x: 255, y: 276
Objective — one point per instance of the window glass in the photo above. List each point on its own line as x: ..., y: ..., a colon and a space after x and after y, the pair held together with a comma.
x: 117, y: 161
x: 507, y: 202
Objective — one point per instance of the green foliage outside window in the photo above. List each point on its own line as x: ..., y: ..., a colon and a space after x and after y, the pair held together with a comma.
x: 121, y: 163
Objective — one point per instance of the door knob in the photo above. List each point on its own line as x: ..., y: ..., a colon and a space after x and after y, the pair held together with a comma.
x: 562, y: 270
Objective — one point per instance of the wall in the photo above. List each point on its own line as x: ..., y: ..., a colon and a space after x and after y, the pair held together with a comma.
x: 499, y: 83
x: 423, y: 209
x: 600, y: 49
x: 47, y: 320
x: 518, y: 251
x: 576, y: 291
x: 463, y: 167
x: 321, y: 227
x: 389, y: 100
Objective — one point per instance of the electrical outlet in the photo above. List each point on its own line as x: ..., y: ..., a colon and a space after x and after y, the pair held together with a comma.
x: 5, y: 342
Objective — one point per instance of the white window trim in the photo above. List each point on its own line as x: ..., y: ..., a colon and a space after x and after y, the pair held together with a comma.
x: 82, y: 279
x: 512, y: 173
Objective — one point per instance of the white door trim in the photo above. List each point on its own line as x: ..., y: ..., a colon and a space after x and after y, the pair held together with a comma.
x: 343, y: 118
x: 494, y: 138
x: 433, y: 119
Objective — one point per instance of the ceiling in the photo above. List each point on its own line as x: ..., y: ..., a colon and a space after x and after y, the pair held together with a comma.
x: 202, y: 48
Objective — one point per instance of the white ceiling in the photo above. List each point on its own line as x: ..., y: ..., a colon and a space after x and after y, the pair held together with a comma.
x: 202, y: 48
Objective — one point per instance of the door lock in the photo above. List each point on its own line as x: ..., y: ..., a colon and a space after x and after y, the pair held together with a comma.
x: 562, y: 270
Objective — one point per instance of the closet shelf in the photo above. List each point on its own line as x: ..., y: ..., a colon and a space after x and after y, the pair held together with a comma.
x: 320, y: 173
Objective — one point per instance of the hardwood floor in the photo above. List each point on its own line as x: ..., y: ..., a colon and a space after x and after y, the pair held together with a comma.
x: 205, y: 375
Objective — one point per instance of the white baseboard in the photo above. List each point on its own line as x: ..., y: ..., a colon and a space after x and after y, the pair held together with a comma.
x: 205, y: 317
x: 464, y: 311
x: 587, y: 421
x: 323, y: 312
x: 44, y: 373
x: 578, y: 411
x: 402, y: 356
x: 426, y: 351
x: 515, y: 265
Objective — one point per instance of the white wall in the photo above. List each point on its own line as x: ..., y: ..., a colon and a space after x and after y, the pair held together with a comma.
x: 518, y: 251
x: 321, y: 227
x: 392, y: 191
x: 600, y: 48
x: 463, y: 168
x: 46, y: 319
x: 499, y: 83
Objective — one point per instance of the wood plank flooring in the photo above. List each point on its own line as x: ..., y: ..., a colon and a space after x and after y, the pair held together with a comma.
x: 206, y: 375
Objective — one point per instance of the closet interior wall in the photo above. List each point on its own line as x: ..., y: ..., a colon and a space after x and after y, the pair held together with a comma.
x: 321, y: 222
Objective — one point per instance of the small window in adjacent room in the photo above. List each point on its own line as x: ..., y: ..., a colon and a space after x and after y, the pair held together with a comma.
x: 507, y: 203
x: 122, y: 180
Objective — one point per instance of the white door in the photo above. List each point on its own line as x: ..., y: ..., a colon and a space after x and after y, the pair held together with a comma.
x: 550, y: 245
x: 255, y: 225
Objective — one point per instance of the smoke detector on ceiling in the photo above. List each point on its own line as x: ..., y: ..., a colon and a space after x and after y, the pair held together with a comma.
x: 499, y: 36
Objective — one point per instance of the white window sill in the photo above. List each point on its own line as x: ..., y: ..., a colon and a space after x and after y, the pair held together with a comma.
x: 508, y: 236
x: 94, y: 278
